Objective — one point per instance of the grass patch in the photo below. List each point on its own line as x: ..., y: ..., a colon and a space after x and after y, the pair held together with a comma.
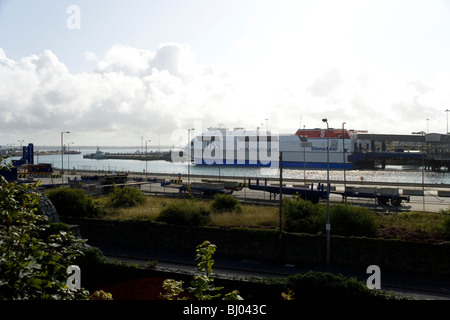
x: 411, y: 226
x: 249, y: 216
x: 415, y: 221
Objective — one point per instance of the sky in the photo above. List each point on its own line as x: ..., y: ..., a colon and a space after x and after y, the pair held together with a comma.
x: 116, y: 73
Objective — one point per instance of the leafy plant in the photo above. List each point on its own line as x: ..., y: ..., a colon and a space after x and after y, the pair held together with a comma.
x: 126, y: 197
x: 33, y: 257
x: 325, y: 285
x: 172, y: 290
x: 72, y: 202
x: 226, y: 202
x: 446, y: 225
x: 353, y: 221
x: 202, y: 286
x: 303, y: 216
x: 185, y: 212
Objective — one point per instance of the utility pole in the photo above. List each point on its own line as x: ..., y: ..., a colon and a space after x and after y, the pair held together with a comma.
x: 62, y: 155
x: 328, y: 225
x: 280, y: 208
x: 343, y: 152
x: 447, y: 119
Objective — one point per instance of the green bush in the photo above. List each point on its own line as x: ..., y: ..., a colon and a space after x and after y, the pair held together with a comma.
x: 72, y: 202
x: 34, y: 254
x: 324, y: 285
x: 126, y: 197
x: 303, y: 216
x: 226, y: 202
x: 352, y: 221
x: 447, y: 226
x: 184, y: 212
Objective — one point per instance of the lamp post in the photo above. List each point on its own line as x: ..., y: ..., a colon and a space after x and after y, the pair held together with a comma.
x: 304, y: 142
x: 68, y: 155
x: 328, y: 225
x: 146, y: 158
x: 447, y: 120
x: 422, y: 133
x: 343, y: 152
x: 189, y: 155
x: 62, y: 155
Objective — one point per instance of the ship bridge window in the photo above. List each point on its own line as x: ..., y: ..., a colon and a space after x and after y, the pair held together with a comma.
x: 208, y: 138
x: 264, y: 138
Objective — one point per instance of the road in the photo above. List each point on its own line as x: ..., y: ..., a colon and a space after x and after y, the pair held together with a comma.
x: 409, y: 285
x: 432, y: 201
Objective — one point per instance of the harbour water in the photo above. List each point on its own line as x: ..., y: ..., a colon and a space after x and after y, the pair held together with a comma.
x: 391, y: 174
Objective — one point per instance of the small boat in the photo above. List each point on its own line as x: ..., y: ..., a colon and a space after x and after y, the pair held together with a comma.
x: 97, y: 155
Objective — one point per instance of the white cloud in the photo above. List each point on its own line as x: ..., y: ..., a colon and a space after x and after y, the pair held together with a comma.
x: 134, y: 92
x: 90, y: 56
x: 131, y: 93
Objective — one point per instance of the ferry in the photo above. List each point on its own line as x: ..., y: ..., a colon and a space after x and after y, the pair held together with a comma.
x: 305, y: 149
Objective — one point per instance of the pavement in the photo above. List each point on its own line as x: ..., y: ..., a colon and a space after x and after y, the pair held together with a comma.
x: 416, y: 286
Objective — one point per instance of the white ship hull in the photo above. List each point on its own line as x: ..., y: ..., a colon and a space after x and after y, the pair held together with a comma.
x: 260, y: 148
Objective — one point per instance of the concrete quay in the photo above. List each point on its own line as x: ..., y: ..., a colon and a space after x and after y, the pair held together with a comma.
x: 427, y: 197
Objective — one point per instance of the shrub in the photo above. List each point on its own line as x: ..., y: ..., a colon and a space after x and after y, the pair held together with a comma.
x: 126, y: 197
x: 447, y: 226
x: 226, y: 202
x: 202, y: 285
x: 352, y: 221
x: 324, y: 285
x: 303, y: 216
x: 72, y: 202
x: 33, y: 255
x: 185, y: 212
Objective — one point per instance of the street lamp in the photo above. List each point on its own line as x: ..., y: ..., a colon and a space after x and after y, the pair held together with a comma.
x: 68, y: 155
x: 189, y: 155
x: 62, y: 155
x: 146, y: 157
x: 422, y: 133
x: 343, y: 152
x: 62, y: 151
x: 304, y: 143
x: 447, y: 119
x: 328, y: 225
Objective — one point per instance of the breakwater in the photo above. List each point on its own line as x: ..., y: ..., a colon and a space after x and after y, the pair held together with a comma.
x: 131, y: 156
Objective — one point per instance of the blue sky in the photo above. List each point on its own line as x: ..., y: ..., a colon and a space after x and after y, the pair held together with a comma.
x: 148, y: 68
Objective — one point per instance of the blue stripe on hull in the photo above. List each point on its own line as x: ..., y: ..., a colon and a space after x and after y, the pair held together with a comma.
x: 316, y: 165
x: 286, y: 164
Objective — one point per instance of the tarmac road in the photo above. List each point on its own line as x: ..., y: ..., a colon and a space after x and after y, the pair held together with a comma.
x: 430, y: 202
x: 419, y: 287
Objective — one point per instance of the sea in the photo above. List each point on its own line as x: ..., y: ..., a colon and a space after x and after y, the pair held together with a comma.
x: 391, y: 174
